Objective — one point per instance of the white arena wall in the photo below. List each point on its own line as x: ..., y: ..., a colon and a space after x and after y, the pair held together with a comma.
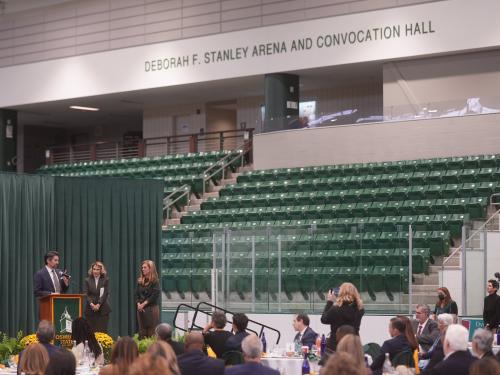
x: 389, y: 141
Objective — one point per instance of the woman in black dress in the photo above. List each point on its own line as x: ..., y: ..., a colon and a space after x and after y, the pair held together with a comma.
x: 344, y: 309
x: 147, y: 297
x: 96, y: 290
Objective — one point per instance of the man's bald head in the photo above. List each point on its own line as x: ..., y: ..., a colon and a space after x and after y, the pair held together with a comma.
x: 194, y: 341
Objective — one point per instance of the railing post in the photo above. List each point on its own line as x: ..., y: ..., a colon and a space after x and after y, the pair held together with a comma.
x: 71, y: 156
x: 93, y: 152
x: 221, y: 141
x: 49, y: 157
x: 193, y: 143
x: 141, y: 148
x: 410, y: 269
x: 464, y: 270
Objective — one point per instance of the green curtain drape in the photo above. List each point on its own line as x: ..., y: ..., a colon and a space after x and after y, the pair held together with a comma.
x: 26, y: 233
x: 116, y: 221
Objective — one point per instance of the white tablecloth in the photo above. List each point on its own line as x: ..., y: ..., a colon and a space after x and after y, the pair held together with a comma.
x: 79, y: 370
x: 288, y: 366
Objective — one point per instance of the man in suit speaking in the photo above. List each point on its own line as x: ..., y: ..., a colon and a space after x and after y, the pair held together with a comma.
x: 305, y: 334
x: 50, y: 279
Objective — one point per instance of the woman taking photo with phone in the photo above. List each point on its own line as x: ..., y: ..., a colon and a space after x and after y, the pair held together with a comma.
x: 147, y: 297
x: 346, y: 308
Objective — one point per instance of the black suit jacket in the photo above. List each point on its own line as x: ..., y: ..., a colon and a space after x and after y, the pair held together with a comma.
x: 435, y: 358
x: 195, y: 362
x: 43, y: 285
x: 394, y: 346
x: 93, y: 295
x: 308, y: 338
x: 429, y: 333
x: 177, y: 347
x: 251, y: 368
x: 234, y: 342
x: 457, y: 363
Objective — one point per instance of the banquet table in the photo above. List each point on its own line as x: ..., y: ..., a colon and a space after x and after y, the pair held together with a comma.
x: 79, y: 371
x: 288, y: 366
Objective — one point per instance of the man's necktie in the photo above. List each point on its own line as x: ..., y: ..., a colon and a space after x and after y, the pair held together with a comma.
x: 56, y: 281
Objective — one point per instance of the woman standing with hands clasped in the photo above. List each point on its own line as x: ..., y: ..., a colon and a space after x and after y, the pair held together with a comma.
x: 147, y: 297
x: 96, y: 290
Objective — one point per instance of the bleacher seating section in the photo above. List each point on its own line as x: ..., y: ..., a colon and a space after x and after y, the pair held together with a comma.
x: 176, y: 169
x: 334, y: 223
x: 361, y: 213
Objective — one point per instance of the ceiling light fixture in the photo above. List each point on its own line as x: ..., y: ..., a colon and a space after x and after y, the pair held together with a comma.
x: 80, y: 108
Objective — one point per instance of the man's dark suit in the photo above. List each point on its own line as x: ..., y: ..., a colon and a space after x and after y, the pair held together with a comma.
x: 308, y: 338
x: 457, y: 363
x: 393, y: 346
x: 195, y: 362
x: 234, y: 342
x: 251, y: 368
x: 43, y: 285
x: 435, y: 358
x: 177, y: 347
x: 429, y: 333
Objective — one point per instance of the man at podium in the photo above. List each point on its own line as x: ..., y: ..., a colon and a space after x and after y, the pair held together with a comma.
x: 50, y: 279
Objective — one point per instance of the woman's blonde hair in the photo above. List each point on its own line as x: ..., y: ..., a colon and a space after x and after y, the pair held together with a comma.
x: 151, y: 364
x: 162, y: 349
x: 34, y: 360
x: 98, y: 264
x: 349, y: 294
x: 153, y: 278
x: 341, y: 364
x: 352, y: 344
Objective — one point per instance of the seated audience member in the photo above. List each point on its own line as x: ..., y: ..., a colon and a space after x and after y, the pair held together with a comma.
x: 341, y: 364
x: 457, y: 358
x: 81, y: 332
x: 436, y: 354
x: 163, y: 333
x: 194, y: 361
x: 252, y: 352
x: 215, y: 335
x: 124, y: 353
x: 351, y: 344
x: 151, y: 364
x: 34, y: 360
x: 164, y: 350
x: 240, y: 323
x: 425, y: 328
x: 482, y: 343
x: 410, y: 336
x: 305, y: 334
x: 344, y: 331
x: 62, y: 362
x: 45, y: 335
x: 397, y: 344
x: 485, y: 366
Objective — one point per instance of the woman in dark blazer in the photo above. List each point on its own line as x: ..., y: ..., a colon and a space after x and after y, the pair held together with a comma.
x: 147, y: 296
x: 96, y: 290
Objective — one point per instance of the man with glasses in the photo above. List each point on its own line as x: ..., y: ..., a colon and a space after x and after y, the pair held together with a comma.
x: 425, y: 329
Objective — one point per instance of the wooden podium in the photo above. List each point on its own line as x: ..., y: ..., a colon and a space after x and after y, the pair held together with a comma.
x: 61, y: 310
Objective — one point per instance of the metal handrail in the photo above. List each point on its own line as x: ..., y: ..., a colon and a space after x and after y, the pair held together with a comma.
x: 167, y: 202
x: 242, y: 151
x: 462, y: 246
x: 198, y: 309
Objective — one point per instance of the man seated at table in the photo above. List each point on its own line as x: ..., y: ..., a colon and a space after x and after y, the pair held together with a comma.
x: 215, y: 335
x: 426, y: 329
x: 163, y: 332
x: 45, y: 335
x: 457, y: 358
x: 436, y: 354
x: 252, y: 352
x: 240, y: 323
x: 305, y: 334
x: 482, y: 343
x: 194, y: 361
